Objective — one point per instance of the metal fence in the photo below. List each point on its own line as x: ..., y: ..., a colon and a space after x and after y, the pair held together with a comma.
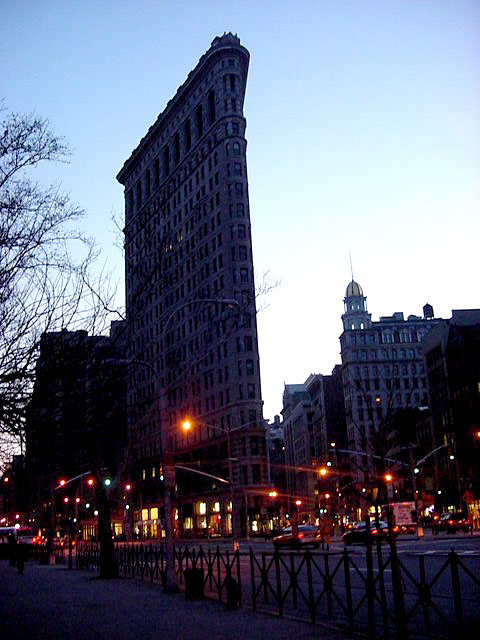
x: 440, y: 595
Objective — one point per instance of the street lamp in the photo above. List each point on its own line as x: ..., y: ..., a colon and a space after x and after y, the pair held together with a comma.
x: 167, y: 456
x: 187, y: 425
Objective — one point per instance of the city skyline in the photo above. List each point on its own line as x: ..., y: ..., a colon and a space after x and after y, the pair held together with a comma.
x: 362, y: 133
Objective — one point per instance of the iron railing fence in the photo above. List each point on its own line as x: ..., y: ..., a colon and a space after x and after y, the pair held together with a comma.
x: 354, y: 591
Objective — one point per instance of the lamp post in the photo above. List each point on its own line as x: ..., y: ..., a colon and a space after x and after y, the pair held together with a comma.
x: 167, y: 457
x: 187, y: 425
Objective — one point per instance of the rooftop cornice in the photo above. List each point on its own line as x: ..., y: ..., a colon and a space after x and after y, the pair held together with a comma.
x: 220, y: 44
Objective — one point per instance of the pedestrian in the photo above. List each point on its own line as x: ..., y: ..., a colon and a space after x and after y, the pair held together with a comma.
x: 326, y: 529
x: 20, y: 558
x: 11, y: 549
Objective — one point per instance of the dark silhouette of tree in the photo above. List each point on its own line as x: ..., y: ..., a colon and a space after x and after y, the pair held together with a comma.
x: 42, y: 286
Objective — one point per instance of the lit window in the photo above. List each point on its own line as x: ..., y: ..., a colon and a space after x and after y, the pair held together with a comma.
x: 154, y: 513
x: 203, y: 508
x: 144, y: 514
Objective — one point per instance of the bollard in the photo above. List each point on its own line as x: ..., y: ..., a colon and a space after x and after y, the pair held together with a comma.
x: 232, y: 593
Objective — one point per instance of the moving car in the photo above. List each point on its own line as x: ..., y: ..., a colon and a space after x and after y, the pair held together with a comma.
x: 358, y: 532
x: 308, y: 534
x: 451, y: 523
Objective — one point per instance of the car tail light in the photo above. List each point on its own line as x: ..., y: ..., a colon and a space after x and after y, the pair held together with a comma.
x: 301, y: 535
x: 73, y: 543
x: 395, y: 529
x: 450, y: 522
x: 374, y: 532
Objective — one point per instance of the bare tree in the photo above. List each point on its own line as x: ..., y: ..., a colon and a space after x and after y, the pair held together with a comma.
x: 42, y: 286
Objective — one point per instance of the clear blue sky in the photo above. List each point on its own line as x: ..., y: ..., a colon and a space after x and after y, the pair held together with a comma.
x: 363, y: 137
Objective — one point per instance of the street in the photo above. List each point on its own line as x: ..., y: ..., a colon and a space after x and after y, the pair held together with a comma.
x: 327, y: 570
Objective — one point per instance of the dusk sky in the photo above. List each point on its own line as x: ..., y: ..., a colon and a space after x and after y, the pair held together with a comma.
x: 363, y: 129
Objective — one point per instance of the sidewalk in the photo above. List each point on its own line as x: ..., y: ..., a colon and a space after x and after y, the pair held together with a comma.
x: 52, y: 603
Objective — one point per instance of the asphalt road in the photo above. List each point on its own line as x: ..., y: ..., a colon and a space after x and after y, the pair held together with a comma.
x: 432, y: 551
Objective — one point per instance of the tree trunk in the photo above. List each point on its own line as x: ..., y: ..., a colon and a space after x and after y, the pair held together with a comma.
x: 108, y: 560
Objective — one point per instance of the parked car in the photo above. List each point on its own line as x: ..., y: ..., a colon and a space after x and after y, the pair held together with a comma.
x: 308, y: 534
x: 358, y: 532
x: 451, y: 523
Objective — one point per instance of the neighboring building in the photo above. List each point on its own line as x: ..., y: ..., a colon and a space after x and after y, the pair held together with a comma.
x: 14, y: 503
x: 277, y: 479
x: 188, y: 251
x: 76, y: 422
x: 314, y: 424
x: 299, y: 446
x: 452, y: 356
x: 383, y: 372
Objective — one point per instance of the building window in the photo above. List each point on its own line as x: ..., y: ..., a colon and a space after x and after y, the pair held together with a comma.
x: 256, y: 473
x: 251, y: 391
x: 211, y: 107
x: 188, y: 135
x: 176, y: 147
x: 139, y: 194
x: 166, y: 160
x: 199, y: 120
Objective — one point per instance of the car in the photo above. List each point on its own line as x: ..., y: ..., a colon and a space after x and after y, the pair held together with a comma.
x: 308, y: 534
x: 451, y: 523
x: 358, y: 532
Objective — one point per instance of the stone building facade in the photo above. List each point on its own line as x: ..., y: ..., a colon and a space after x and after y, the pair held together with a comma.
x: 383, y: 373
x: 190, y: 300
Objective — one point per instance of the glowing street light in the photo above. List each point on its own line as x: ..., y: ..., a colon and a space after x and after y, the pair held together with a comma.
x: 388, y: 477
x: 272, y: 494
x: 323, y: 471
x: 298, y: 502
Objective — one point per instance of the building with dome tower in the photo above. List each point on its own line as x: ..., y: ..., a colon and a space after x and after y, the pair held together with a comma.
x: 383, y: 375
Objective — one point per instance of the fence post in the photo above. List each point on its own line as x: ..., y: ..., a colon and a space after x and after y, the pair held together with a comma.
x: 348, y: 590
x: 311, y: 601
x: 293, y: 581
x: 328, y: 585
x: 239, y: 579
x: 264, y: 579
x: 401, y: 625
x: 276, y: 556
x: 370, y: 584
x: 457, y: 592
x: 252, y: 578
x: 381, y: 582
x: 424, y: 596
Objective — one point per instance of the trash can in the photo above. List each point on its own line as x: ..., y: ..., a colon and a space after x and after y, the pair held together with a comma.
x: 194, y: 587
x: 231, y: 587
